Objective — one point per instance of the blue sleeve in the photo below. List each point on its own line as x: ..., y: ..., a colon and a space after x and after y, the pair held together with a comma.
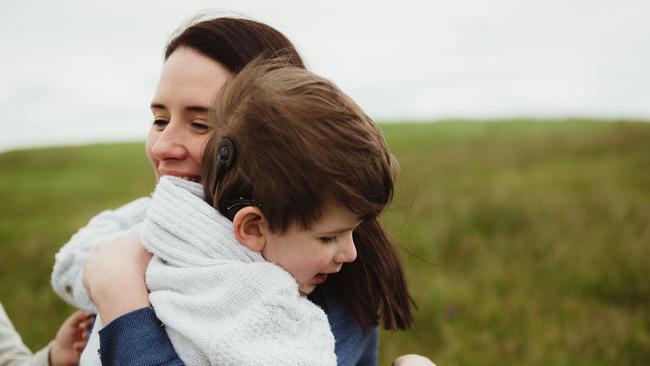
x: 137, y: 338
x: 369, y: 357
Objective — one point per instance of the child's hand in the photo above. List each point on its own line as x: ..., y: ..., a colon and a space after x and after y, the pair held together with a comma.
x: 70, y: 340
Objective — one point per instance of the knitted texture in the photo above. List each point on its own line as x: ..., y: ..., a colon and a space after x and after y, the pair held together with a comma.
x: 69, y: 261
x: 220, y: 302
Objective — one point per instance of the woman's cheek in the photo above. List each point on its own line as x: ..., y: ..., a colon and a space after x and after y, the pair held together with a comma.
x: 200, y: 148
x: 152, y: 137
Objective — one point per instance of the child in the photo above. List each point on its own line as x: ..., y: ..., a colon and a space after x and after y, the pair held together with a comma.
x: 63, y: 350
x: 293, y: 168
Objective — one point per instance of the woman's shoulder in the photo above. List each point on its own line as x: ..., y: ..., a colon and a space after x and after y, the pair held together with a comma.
x: 69, y: 260
x: 120, y: 218
x: 354, y: 345
x: 134, y: 211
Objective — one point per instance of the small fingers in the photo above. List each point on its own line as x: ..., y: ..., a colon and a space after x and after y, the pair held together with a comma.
x: 79, y: 345
x: 78, y: 317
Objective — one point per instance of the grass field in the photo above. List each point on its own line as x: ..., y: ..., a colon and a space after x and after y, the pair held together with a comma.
x: 525, y: 243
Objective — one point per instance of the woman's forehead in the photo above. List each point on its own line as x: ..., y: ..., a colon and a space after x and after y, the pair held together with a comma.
x: 189, y: 78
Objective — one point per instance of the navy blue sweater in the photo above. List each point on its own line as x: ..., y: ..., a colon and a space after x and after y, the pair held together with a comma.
x: 139, y: 338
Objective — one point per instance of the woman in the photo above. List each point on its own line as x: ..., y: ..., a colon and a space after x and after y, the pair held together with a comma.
x: 197, y: 63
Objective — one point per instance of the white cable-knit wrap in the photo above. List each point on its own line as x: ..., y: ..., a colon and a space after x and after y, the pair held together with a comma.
x: 221, y: 303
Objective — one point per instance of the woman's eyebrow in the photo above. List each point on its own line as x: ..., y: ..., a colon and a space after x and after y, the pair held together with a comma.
x: 189, y: 108
x: 196, y: 109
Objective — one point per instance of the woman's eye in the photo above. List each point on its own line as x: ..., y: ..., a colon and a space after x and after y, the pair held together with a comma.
x: 200, y: 126
x: 160, y: 123
x: 328, y: 239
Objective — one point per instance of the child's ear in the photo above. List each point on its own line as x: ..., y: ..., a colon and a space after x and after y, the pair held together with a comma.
x: 249, y: 226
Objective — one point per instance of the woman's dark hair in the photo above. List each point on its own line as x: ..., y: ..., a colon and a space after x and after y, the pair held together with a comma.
x: 235, y: 42
x: 373, y: 286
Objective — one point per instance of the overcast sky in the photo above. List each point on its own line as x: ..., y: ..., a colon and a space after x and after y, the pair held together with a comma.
x: 84, y: 71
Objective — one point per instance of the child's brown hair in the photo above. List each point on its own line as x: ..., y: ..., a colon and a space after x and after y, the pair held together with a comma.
x: 299, y: 144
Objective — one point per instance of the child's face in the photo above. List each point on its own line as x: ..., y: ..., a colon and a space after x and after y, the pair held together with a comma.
x: 310, y: 255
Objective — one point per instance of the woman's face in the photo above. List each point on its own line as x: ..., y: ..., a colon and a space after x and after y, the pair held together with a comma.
x: 180, y: 130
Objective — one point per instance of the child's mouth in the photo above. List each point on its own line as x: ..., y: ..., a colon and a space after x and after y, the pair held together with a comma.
x: 320, y: 278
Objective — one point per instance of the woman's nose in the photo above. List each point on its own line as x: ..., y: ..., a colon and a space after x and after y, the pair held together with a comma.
x: 347, y: 252
x: 170, y: 144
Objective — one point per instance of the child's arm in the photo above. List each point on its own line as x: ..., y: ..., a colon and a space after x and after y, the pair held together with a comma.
x: 12, y: 349
x: 69, y: 261
x: 64, y: 350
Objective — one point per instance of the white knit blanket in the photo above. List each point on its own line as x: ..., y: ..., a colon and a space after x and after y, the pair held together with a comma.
x: 221, y: 303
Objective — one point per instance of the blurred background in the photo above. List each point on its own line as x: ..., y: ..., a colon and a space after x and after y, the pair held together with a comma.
x: 72, y: 72
x: 523, y: 203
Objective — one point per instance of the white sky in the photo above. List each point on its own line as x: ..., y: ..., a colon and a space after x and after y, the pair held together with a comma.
x: 84, y: 71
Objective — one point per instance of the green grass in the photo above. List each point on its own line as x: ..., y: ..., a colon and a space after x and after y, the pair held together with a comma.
x: 530, y: 240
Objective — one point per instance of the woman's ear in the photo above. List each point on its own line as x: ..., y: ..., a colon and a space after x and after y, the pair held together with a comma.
x: 249, y: 226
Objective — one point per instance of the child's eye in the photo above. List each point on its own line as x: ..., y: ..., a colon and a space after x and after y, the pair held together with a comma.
x: 328, y: 239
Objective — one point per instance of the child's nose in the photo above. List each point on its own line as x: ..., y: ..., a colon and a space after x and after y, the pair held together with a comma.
x: 347, y: 252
